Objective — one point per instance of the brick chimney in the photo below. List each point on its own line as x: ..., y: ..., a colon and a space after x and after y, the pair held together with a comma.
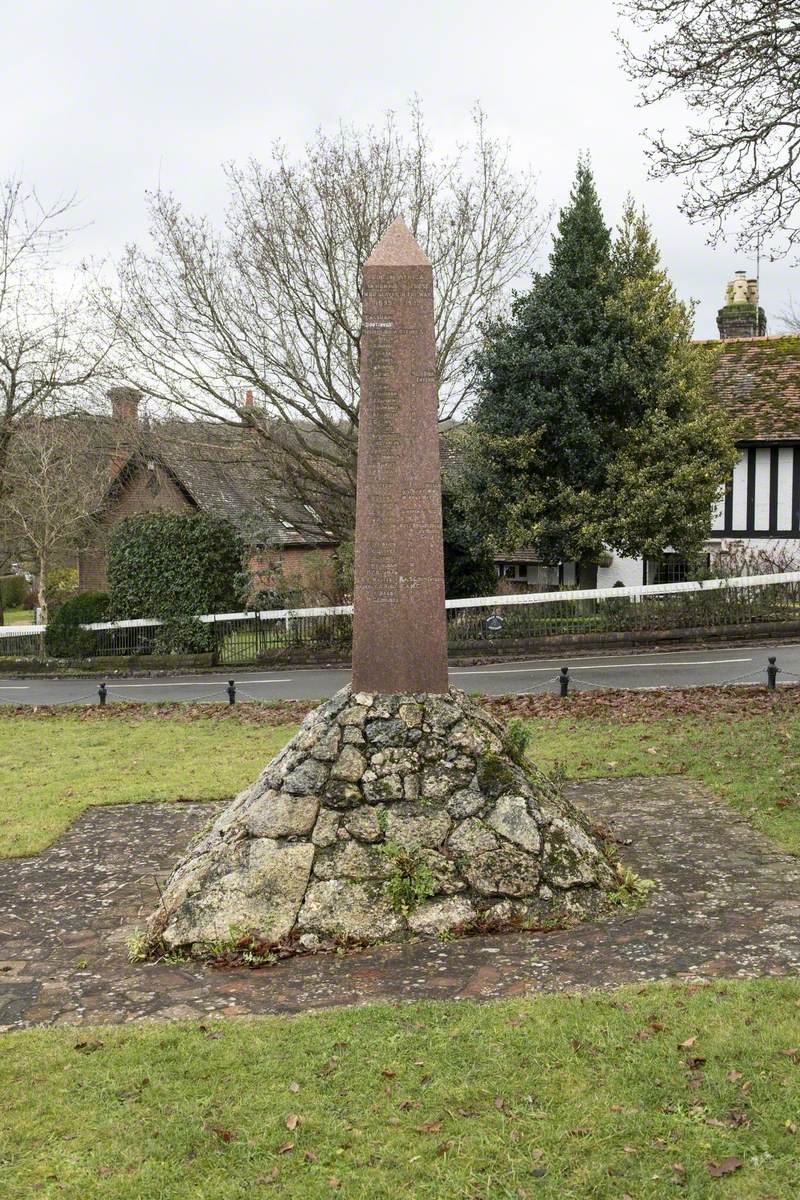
x: 124, y: 404
x: 741, y: 316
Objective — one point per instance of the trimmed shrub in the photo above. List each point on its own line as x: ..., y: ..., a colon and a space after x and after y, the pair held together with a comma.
x: 64, y: 637
x: 174, y: 567
x: 15, y: 591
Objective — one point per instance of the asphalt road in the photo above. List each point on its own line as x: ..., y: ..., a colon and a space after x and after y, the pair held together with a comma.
x: 668, y: 668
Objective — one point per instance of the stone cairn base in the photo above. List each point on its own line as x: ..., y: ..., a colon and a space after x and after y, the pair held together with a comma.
x: 387, y: 817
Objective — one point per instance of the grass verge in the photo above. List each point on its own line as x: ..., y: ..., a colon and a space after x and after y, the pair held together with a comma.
x: 18, y: 616
x: 751, y: 762
x: 50, y: 771
x: 654, y: 1092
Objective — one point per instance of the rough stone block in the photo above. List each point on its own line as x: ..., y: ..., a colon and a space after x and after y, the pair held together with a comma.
x: 340, y: 907
x: 276, y: 815
x: 512, y: 820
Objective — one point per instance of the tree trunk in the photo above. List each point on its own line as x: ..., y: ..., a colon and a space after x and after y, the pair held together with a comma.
x: 40, y: 596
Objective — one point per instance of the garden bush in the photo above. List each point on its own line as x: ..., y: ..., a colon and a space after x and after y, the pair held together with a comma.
x: 174, y: 567
x: 15, y: 591
x: 60, y: 585
x: 64, y: 637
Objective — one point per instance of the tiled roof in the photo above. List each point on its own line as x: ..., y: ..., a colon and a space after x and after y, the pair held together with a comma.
x: 518, y: 556
x: 758, y: 381
x: 225, y: 472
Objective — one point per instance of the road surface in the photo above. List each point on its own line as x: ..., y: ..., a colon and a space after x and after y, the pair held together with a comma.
x: 667, y: 668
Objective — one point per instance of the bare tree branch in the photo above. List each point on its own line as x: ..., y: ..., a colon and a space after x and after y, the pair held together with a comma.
x: 57, y: 472
x: 272, y: 303
x: 736, y: 65
x: 53, y: 340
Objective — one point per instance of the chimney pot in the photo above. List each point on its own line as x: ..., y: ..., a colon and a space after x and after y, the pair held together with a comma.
x: 124, y: 404
x: 248, y: 398
x: 741, y: 316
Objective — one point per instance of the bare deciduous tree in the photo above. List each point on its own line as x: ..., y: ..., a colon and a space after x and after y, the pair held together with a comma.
x: 56, y: 476
x: 272, y: 303
x: 737, y: 67
x: 53, y: 340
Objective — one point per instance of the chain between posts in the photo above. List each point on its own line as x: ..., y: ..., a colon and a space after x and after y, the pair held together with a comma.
x: 772, y: 672
x: 564, y: 679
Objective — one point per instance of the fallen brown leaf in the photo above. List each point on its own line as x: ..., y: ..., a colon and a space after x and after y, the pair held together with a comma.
x: 292, y: 1121
x: 286, y: 1148
x: 726, y: 1167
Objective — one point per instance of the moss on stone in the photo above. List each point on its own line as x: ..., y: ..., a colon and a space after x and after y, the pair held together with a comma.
x: 494, y: 774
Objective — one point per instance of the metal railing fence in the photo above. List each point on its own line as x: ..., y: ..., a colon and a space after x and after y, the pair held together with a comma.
x: 253, y: 637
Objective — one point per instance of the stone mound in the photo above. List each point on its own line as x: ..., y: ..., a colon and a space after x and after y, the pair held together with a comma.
x: 386, y: 817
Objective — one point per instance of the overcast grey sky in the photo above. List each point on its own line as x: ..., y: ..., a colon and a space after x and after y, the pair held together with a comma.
x: 110, y: 98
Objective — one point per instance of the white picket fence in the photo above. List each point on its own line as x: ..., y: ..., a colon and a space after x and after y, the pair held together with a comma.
x: 242, y: 636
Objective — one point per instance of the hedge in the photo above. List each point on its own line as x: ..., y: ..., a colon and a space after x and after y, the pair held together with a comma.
x: 175, y: 566
x: 63, y: 637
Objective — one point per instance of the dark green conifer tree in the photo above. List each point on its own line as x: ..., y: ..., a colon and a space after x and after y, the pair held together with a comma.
x: 595, y: 427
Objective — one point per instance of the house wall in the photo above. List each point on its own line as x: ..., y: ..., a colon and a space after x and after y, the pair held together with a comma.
x: 764, y: 498
x: 144, y: 491
x: 627, y: 571
x: 756, y: 521
x: 312, y: 570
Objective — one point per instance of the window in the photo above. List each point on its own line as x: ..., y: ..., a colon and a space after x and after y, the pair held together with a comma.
x: 671, y: 569
x: 523, y: 570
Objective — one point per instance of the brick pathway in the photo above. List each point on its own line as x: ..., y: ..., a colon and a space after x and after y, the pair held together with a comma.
x: 727, y: 904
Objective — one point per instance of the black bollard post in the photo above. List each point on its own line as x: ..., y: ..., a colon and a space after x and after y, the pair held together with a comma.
x: 563, y: 681
x: 102, y: 692
x: 231, y: 690
x: 772, y: 673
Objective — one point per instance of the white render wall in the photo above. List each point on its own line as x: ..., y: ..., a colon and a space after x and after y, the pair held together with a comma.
x: 761, y: 506
x: 740, y: 493
x: 786, y: 551
x: 761, y: 458
x: 627, y: 571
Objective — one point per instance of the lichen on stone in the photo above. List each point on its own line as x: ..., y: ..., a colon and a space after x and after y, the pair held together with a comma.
x: 387, y: 816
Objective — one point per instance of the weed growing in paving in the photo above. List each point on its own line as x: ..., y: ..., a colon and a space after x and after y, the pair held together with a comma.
x: 411, y: 881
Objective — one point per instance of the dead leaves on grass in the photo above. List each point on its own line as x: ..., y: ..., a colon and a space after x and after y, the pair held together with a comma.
x: 726, y: 1166
x: 627, y: 707
x: 619, y: 704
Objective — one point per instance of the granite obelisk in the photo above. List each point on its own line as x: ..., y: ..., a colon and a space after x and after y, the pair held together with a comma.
x: 298, y: 860
x: 399, y: 632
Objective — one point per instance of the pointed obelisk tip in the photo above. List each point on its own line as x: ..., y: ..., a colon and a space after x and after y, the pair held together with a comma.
x: 398, y: 248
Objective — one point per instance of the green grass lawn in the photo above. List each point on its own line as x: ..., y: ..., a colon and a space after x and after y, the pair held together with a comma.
x: 650, y: 1092
x: 51, y: 770
x: 17, y: 616
x: 645, y: 1093
x: 751, y: 762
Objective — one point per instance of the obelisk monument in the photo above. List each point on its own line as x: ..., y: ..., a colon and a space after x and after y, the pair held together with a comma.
x: 399, y: 632
x: 297, y: 860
